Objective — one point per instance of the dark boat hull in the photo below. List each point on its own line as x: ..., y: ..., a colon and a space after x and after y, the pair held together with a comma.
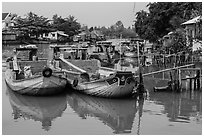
x: 119, y: 85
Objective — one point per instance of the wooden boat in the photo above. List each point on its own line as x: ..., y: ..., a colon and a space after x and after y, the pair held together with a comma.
x: 100, y: 82
x: 85, y: 75
x: 73, y: 52
x: 156, y: 84
x: 41, y: 109
x: 117, y: 85
x: 33, y: 76
x: 117, y: 114
x: 102, y: 51
x: 164, y: 88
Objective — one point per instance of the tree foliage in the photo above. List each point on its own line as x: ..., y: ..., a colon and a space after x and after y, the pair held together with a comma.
x: 32, y: 25
x: 164, y: 17
x: 178, y: 41
x: 69, y: 24
x: 117, y: 30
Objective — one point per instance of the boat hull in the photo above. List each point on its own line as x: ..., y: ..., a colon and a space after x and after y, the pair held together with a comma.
x: 36, y: 86
x: 160, y: 89
x: 116, y: 86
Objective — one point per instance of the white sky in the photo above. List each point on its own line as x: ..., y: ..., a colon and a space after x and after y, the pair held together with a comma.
x: 88, y: 13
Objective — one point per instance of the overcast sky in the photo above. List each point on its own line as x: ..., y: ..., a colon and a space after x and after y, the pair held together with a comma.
x: 88, y: 13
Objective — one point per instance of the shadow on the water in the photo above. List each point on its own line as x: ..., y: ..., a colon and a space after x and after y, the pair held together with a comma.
x: 118, y: 114
x: 43, y: 109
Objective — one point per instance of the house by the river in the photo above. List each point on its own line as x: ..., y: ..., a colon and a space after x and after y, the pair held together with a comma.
x: 7, y: 22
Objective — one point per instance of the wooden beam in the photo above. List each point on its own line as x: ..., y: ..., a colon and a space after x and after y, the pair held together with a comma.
x: 70, y: 72
x: 155, y: 72
x: 108, y: 69
x: 72, y: 65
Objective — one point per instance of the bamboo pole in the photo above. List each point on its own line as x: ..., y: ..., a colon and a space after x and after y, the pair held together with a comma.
x: 166, y: 70
x: 72, y: 65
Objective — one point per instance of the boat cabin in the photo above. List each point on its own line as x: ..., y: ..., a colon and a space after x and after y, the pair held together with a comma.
x: 69, y: 52
x: 56, y: 50
x: 74, y: 53
x: 25, y: 62
x: 28, y: 52
x: 102, y: 50
x: 104, y: 46
x: 125, y: 46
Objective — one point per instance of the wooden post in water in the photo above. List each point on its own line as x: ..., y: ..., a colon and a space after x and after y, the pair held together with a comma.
x: 194, y: 82
x: 179, y: 79
x: 190, y: 84
x: 140, y: 87
x: 171, y: 81
x: 163, y: 75
x: 198, y: 79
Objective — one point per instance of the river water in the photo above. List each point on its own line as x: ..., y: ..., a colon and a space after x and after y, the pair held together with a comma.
x: 160, y: 113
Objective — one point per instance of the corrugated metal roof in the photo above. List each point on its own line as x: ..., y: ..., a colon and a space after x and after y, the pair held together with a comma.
x: 192, y: 21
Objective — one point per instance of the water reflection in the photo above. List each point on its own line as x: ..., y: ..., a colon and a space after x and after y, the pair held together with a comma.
x: 118, y: 114
x: 43, y: 109
x: 180, y: 107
